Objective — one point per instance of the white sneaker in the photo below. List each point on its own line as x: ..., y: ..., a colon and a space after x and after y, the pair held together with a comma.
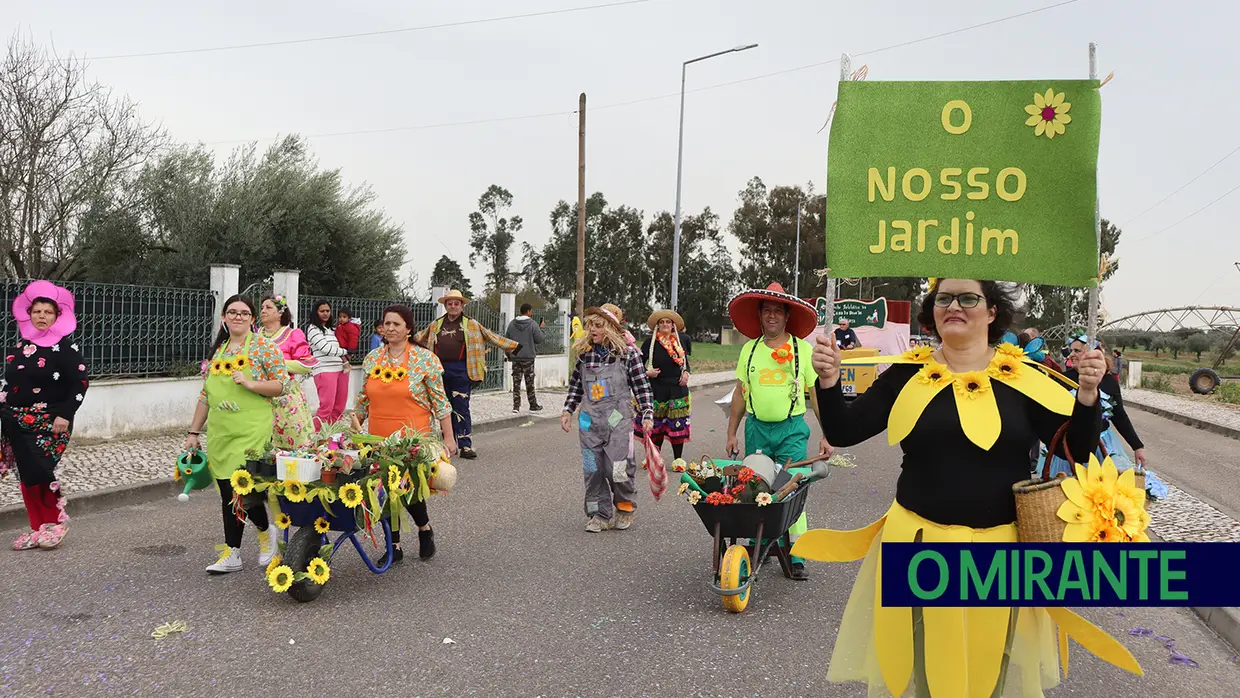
x: 595, y: 525
x: 268, y: 544
x: 230, y: 561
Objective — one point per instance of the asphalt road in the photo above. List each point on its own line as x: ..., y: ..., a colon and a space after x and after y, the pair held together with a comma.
x: 535, y: 605
x: 1201, y: 462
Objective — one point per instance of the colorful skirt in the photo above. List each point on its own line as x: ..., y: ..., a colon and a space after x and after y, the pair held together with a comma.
x: 671, y: 420
x: 975, y: 652
x: 293, y: 424
x: 1115, y: 450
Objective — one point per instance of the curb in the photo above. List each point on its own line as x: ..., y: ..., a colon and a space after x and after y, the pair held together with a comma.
x: 1225, y: 622
x: 1222, y: 621
x: 92, y: 501
x: 1185, y: 419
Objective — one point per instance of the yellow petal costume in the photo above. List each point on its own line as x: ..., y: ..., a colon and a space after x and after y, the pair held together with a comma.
x: 949, y: 652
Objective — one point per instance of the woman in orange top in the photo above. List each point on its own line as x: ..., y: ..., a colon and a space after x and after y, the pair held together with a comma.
x: 404, y: 390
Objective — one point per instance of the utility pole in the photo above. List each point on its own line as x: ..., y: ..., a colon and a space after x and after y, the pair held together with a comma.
x: 581, y: 204
x: 796, y: 274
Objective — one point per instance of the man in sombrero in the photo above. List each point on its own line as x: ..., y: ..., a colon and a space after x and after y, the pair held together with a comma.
x: 774, y: 382
x: 461, y: 342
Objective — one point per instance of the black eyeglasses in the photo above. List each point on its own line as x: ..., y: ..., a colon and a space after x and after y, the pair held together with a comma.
x: 966, y: 300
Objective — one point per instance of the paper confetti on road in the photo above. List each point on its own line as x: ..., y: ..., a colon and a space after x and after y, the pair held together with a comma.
x: 176, y: 626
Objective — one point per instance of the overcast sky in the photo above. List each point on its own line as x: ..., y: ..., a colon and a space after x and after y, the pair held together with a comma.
x: 1168, y: 115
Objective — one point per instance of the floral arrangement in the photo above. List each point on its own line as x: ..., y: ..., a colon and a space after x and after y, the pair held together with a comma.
x: 385, y: 476
x: 706, y: 481
x: 1104, y: 505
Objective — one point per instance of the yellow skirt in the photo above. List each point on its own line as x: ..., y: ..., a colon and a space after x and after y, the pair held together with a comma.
x: 945, y: 652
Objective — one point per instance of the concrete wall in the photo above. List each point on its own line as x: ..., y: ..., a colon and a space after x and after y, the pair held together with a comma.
x: 123, y: 407
x: 116, y: 408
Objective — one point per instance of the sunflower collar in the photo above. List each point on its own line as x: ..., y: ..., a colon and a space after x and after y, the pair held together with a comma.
x: 973, y: 390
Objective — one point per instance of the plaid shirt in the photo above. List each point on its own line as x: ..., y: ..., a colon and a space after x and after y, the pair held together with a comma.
x: 477, y: 336
x: 638, y: 383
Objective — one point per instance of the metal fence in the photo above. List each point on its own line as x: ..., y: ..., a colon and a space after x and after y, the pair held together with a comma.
x: 497, y: 323
x: 553, y: 333
x: 366, y: 310
x: 130, y: 331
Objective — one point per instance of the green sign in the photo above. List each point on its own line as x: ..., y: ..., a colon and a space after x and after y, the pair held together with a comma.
x: 975, y: 180
x: 857, y: 313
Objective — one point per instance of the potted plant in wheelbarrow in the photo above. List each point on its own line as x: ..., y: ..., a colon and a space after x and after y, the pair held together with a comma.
x: 755, y: 500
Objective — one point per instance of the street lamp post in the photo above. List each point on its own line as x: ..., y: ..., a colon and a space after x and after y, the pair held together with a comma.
x: 680, y: 155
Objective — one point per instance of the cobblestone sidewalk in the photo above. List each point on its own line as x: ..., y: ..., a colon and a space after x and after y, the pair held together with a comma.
x: 1207, y: 412
x: 87, y: 468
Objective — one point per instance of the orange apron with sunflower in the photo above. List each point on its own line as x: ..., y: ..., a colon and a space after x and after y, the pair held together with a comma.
x: 392, y: 407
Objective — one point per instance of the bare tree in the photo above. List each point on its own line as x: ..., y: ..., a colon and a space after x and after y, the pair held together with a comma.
x: 66, y: 144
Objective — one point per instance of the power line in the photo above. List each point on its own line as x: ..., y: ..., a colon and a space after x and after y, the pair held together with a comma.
x: 1160, y: 232
x: 670, y: 95
x: 383, y: 32
x: 1177, y: 191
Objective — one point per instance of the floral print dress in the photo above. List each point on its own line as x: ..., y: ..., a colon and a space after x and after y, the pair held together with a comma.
x: 294, y: 421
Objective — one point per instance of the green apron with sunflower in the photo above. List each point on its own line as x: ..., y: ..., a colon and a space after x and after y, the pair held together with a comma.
x: 238, y: 420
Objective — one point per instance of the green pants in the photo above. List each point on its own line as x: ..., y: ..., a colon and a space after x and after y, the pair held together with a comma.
x: 781, y: 442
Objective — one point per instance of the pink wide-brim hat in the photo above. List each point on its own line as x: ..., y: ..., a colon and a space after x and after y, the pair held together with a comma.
x: 65, y: 324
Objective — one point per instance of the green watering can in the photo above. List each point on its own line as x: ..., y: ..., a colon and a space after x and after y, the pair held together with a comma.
x: 192, y: 468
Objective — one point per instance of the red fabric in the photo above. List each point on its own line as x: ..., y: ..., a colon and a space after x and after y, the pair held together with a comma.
x: 40, y: 504
x: 654, y: 465
x: 347, y: 334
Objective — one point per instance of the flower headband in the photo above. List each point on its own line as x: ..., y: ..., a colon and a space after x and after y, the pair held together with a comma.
x: 1079, y: 335
x: 280, y: 303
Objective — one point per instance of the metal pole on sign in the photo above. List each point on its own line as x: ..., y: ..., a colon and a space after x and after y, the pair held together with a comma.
x: 1092, y: 326
x: 845, y: 67
x: 796, y: 273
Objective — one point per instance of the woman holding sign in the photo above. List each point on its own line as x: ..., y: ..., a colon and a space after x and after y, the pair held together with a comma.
x: 965, y: 416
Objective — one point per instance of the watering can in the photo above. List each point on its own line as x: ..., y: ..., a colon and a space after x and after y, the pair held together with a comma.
x: 762, y: 465
x: 192, y: 468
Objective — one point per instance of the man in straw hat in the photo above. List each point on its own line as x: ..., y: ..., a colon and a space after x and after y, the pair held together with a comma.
x: 774, y: 376
x: 461, y: 345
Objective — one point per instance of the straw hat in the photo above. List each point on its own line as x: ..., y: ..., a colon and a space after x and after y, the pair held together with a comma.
x: 743, y: 310
x: 614, y: 310
x: 672, y: 315
x: 454, y: 295
x: 606, y: 314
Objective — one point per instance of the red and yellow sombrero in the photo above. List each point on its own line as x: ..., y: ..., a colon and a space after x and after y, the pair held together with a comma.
x: 743, y: 309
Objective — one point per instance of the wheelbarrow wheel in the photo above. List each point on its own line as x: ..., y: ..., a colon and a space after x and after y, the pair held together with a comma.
x: 733, y: 573
x: 302, y: 548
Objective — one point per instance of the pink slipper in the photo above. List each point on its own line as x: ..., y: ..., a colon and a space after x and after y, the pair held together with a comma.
x: 27, y: 541
x: 50, y: 535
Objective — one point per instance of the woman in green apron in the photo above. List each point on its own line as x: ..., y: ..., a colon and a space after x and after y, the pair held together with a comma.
x: 245, y: 372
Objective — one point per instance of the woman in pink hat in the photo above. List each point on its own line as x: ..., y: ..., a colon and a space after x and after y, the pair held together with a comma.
x: 44, y: 384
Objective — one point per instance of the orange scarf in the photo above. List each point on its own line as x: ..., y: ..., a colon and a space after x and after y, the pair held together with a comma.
x: 671, y: 343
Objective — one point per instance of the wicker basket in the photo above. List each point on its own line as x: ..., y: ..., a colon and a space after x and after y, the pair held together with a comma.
x: 1038, y: 500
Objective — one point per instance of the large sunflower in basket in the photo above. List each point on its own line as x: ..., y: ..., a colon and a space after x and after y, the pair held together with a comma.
x: 1104, y: 505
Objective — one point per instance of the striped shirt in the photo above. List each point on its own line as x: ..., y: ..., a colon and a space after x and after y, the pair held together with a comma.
x: 326, y: 349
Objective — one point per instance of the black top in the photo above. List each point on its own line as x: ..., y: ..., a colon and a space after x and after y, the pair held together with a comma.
x: 54, y: 376
x: 667, y: 385
x: 945, y: 477
x: 1113, y: 411
x: 846, y: 337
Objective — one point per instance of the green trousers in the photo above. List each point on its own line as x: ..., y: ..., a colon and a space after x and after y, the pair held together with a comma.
x: 781, y: 442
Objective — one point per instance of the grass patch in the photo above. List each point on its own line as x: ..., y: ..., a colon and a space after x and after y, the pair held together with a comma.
x: 708, y: 358
x: 1229, y: 393
x: 1157, y: 381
